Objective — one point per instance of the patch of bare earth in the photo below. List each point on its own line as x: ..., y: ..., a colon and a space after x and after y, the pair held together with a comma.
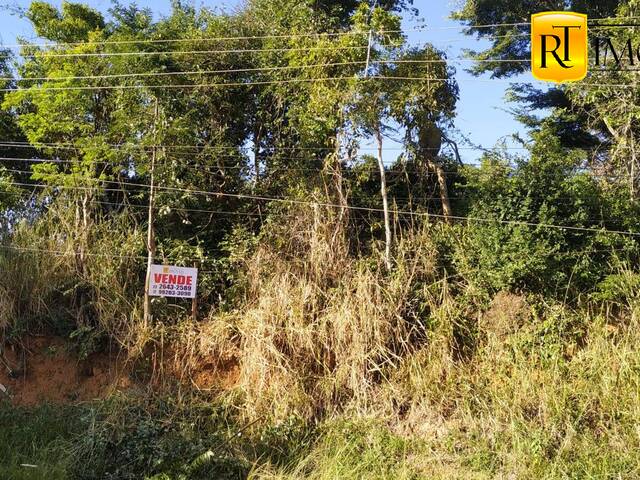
x: 49, y: 372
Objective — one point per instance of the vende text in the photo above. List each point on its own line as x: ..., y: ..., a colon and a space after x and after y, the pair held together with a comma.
x: 167, y: 278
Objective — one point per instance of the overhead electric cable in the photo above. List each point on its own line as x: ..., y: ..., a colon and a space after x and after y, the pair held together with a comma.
x: 366, y: 209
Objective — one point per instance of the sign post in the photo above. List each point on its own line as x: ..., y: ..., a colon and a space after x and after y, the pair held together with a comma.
x: 151, y: 236
x: 194, y: 300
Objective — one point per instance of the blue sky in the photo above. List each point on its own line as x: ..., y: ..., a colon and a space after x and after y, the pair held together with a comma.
x: 481, y: 111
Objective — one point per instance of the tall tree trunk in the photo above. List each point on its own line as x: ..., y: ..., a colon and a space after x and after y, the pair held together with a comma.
x: 337, y: 173
x: 151, y: 242
x: 81, y: 235
x: 626, y: 139
x: 385, y: 201
x: 444, y: 191
x: 84, y: 242
x: 632, y: 181
x: 431, y: 137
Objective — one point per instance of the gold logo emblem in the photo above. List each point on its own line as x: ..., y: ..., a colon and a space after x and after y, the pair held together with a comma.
x: 559, y: 46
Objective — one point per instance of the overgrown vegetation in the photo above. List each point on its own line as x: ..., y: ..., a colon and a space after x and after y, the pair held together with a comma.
x: 359, y: 316
x: 553, y: 396
x: 34, y: 442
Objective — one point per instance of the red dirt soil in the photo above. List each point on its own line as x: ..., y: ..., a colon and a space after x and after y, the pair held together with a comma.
x: 54, y: 375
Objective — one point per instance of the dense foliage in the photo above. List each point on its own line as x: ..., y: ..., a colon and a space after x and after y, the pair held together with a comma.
x: 369, y: 307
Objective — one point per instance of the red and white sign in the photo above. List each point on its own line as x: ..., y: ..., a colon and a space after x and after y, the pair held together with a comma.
x: 168, y: 281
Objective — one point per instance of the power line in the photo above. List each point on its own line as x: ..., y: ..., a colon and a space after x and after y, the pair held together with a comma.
x: 462, y: 28
x: 197, y: 85
x: 250, y: 70
x: 127, y: 204
x: 483, y: 80
x: 67, y: 253
x: 365, y: 209
x: 188, y: 165
x: 213, y: 170
x: 201, y: 168
x: 141, y: 206
x: 439, y: 41
x: 167, y: 74
x: 70, y: 146
x: 147, y: 41
x: 193, y: 52
x: 424, y: 28
x: 247, y: 37
x: 283, y: 81
x: 226, y: 213
x: 193, y: 210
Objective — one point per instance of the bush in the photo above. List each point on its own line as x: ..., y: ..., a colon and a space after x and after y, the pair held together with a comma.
x: 507, y: 248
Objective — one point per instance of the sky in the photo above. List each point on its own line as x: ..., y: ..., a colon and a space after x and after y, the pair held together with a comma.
x: 482, y: 115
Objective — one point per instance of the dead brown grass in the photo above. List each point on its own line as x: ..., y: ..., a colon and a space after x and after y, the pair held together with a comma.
x: 318, y: 328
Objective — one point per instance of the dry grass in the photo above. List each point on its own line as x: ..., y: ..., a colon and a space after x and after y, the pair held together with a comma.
x: 45, y: 288
x: 30, y: 282
x: 318, y: 328
x: 557, y: 398
x: 403, y: 371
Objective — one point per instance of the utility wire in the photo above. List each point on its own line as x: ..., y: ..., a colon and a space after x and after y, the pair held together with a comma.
x: 424, y: 28
x: 178, y: 86
x: 284, y: 81
x: 187, y: 72
x: 272, y: 153
x: 245, y: 37
x: 354, y: 208
x: 213, y: 170
x: 227, y: 213
x: 127, y: 204
x: 67, y: 253
x: 216, y: 169
x: 250, y: 70
x: 193, y: 52
x: 71, y: 146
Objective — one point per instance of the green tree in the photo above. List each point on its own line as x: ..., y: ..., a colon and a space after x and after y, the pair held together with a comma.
x: 504, y: 24
x: 516, y: 201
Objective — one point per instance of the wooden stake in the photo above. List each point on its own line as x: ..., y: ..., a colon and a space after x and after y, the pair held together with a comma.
x: 194, y: 300
x: 151, y: 239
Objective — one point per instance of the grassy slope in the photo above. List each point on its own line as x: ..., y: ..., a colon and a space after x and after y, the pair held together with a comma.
x: 530, y: 405
x: 39, y: 436
x: 558, y: 398
x: 352, y: 373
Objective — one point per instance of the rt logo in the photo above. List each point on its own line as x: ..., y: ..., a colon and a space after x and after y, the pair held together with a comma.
x: 559, y: 46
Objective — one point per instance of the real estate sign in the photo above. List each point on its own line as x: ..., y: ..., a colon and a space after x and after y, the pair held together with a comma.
x: 169, y: 281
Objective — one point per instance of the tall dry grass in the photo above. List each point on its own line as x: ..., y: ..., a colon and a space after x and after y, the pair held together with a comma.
x: 43, y: 287
x: 319, y: 328
x: 425, y: 380
x: 555, y: 395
